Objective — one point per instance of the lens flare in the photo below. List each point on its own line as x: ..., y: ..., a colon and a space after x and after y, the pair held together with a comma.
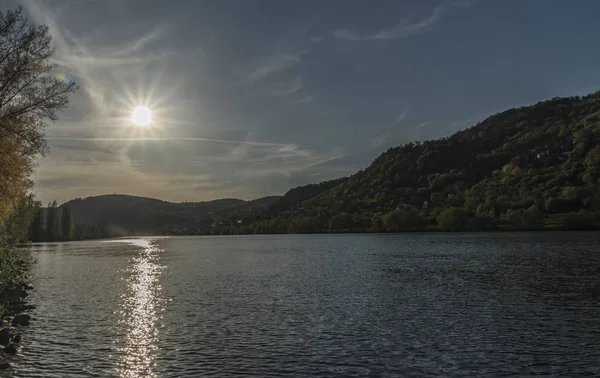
x: 63, y: 78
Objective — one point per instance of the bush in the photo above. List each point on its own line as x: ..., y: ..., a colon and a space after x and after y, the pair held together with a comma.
x: 453, y: 219
x: 481, y: 222
x: 403, y: 220
x: 579, y: 221
x: 14, y: 263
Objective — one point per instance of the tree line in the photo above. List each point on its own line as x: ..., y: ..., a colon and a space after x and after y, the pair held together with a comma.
x: 52, y: 224
x: 55, y: 223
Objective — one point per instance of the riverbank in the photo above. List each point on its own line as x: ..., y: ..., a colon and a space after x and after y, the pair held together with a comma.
x: 13, y: 317
x: 14, y: 265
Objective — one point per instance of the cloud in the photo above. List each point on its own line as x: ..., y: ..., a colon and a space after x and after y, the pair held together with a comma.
x: 164, y: 139
x: 92, y: 62
x: 188, y: 154
x: 400, y: 118
x: 306, y: 99
x: 404, y: 29
x: 274, y: 64
x: 288, y: 87
x: 79, y: 167
x: 423, y: 124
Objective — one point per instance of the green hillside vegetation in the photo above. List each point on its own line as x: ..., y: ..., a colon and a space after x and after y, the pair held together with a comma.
x: 527, y: 168
x: 267, y: 221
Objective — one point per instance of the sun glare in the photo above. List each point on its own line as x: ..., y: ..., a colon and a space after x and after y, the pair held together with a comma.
x: 141, y: 116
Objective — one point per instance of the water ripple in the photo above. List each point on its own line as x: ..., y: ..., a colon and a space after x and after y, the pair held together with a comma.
x: 417, y: 305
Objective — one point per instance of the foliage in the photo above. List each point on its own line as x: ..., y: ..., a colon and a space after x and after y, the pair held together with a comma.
x: 56, y: 224
x: 580, y: 221
x: 404, y: 219
x: 14, y: 262
x: 29, y: 96
x: 15, y: 227
x: 37, y: 229
x: 92, y: 231
x: 53, y: 231
x: 300, y: 194
x: 453, y: 219
x: 66, y: 223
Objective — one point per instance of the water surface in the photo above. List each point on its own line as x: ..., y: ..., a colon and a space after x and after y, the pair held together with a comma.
x: 415, y: 305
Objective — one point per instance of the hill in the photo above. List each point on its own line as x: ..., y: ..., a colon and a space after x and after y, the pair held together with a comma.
x: 531, y: 167
x: 124, y: 215
x: 238, y: 221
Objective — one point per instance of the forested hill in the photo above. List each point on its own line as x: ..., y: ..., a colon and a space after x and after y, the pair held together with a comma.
x: 526, y: 168
x: 124, y: 215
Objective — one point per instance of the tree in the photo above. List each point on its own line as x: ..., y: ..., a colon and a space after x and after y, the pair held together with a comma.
x: 36, y: 229
x: 340, y: 222
x: 533, y: 217
x: 66, y: 223
x: 306, y: 225
x: 80, y: 232
x: 377, y: 223
x: 16, y: 227
x: 30, y: 95
x: 403, y: 220
x: 592, y: 163
x: 453, y: 219
x: 52, y: 226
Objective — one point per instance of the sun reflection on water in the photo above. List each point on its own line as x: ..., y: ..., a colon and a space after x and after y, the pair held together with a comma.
x: 141, y: 306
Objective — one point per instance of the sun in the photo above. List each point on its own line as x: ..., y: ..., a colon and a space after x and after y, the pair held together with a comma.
x: 141, y: 116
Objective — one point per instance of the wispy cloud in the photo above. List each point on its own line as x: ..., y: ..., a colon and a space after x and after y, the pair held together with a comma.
x: 404, y: 29
x: 287, y: 87
x: 423, y: 124
x: 149, y: 168
x: 164, y: 139
x: 90, y: 61
x: 400, y: 118
x: 275, y: 64
x: 306, y: 99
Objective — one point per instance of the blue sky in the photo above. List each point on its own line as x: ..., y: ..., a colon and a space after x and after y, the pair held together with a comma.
x: 251, y: 98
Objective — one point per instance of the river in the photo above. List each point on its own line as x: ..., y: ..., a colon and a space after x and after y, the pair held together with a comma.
x: 408, y: 305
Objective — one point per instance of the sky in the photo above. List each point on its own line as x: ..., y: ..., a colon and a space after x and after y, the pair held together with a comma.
x: 253, y: 97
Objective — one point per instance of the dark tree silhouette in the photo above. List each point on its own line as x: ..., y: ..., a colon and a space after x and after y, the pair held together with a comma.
x: 30, y: 96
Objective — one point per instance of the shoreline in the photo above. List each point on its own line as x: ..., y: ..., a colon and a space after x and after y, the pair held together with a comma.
x: 484, y: 232
x: 13, y: 317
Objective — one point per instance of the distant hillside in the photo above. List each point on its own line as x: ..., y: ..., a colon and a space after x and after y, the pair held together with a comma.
x: 526, y: 168
x: 296, y: 196
x: 247, y: 208
x: 124, y: 214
